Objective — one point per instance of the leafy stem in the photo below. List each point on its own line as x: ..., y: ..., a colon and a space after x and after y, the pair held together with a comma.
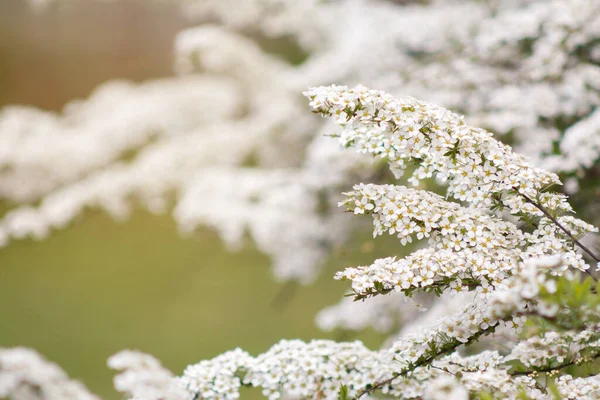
x: 574, y: 361
x: 428, y: 359
x: 565, y: 230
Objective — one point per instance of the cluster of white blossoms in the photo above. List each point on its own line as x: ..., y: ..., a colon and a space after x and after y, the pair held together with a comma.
x: 468, y: 246
x: 476, y: 168
x: 318, y: 369
x: 237, y: 148
x: 142, y: 377
x: 291, y: 367
x: 217, y: 378
x: 579, y: 388
x: 25, y: 375
x: 463, y: 241
x: 422, y: 365
x: 383, y: 313
x: 554, y: 348
x: 520, y: 67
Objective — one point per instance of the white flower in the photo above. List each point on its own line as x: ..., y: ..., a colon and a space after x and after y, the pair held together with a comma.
x: 445, y: 388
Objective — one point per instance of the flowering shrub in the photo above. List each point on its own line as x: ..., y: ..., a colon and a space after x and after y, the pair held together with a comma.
x: 524, y: 69
x: 521, y: 287
x: 500, y: 249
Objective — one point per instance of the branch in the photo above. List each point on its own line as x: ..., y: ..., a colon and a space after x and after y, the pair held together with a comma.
x: 565, y: 230
x: 427, y: 360
x: 560, y: 366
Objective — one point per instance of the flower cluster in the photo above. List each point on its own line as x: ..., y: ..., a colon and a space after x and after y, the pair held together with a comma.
x: 217, y: 378
x: 142, y: 377
x: 327, y: 370
x: 409, y: 212
x: 294, y: 368
x: 495, y: 66
x: 24, y: 375
x: 466, y: 244
x: 553, y: 348
x: 383, y: 313
x: 477, y: 168
x: 579, y: 388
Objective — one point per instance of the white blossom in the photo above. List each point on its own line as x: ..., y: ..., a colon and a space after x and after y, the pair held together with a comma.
x: 25, y: 375
x: 445, y: 388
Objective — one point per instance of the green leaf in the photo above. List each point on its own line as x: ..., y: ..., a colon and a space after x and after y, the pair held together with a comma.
x: 553, y: 389
x: 343, y: 394
x: 485, y: 396
x: 522, y: 395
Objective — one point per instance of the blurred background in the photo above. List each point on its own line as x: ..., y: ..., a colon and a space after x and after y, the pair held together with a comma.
x: 101, y: 286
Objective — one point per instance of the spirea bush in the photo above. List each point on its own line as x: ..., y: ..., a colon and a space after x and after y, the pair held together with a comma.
x: 501, y: 240
x: 527, y: 70
x: 494, y: 288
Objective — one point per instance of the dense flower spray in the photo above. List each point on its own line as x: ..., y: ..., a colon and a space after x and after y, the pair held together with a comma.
x: 515, y: 276
x: 524, y: 69
x: 500, y: 247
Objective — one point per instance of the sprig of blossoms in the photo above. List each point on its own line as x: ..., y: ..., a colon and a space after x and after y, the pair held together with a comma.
x: 422, y: 365
x: 519, y: 296
x: 468, y: 247
x: 466, y: 243
x: 24, y: 375
x: 142, y: 377
x: 579, y: 388
x: 217, y: 378
x: 477, y: 168
x: 553, y: 349
x: 305, y: 370
x: 409, y: 212
x: 319, y: 368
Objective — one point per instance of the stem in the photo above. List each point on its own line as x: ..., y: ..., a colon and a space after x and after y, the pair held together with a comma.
x: 378, y: 385
x: 444, y: 370
x: 548, y: 369
x: 551, y: 320
x: 427, y: 360
x: 565, y: 230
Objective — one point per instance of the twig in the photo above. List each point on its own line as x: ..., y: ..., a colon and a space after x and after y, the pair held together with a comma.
x: 442, y: 369
x: 565, y: 230
x: 427, y: 360
x: 560, y: 366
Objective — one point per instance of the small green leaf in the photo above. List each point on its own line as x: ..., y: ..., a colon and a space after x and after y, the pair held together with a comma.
x: 343, y: 394
x: 485, y: 396
x: 553, y: 389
